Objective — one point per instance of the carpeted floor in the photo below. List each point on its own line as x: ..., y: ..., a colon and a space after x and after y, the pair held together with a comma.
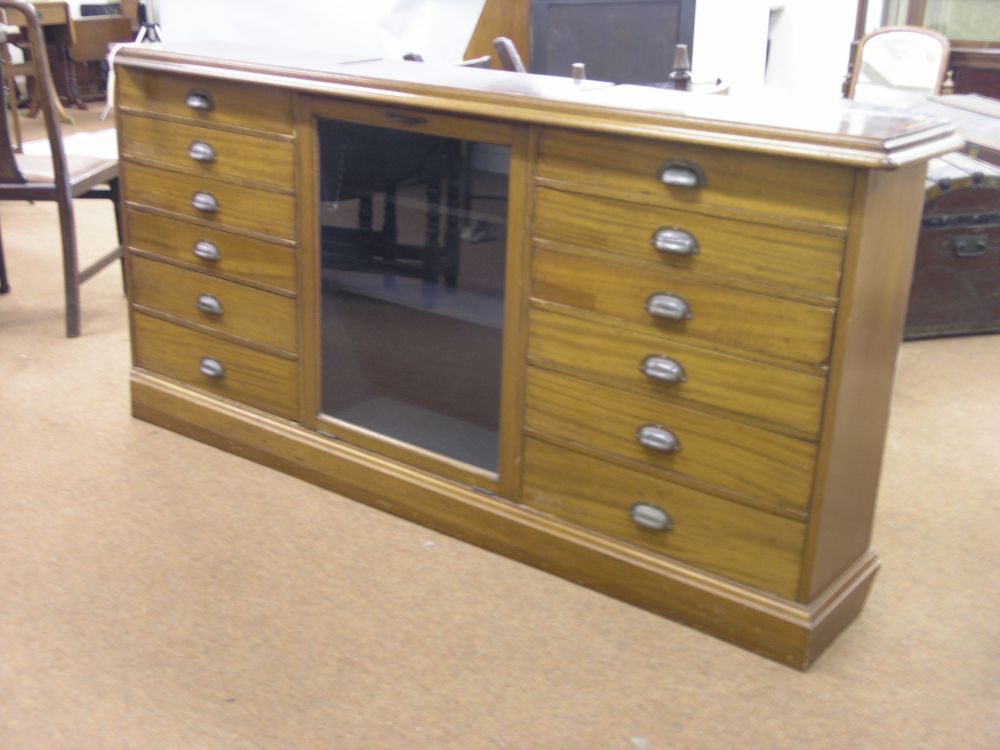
x: 161, y: 595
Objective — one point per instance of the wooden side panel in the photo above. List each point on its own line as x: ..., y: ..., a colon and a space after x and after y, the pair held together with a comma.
x: 877, y: 273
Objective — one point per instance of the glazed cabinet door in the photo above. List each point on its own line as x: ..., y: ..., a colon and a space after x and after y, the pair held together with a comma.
x: 410, y: 234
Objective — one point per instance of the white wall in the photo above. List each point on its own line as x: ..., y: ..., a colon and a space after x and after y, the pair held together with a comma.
x: 730, y: 41
x: 436, y: 29
x: 810, y: 39
x: 810, y: 43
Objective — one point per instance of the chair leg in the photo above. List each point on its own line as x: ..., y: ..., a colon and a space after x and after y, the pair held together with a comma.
x: 4, y: 286
x: 71, y: 275
x: 113, y: 189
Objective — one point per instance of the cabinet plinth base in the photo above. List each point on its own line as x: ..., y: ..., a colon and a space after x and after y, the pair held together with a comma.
x: 788, y: 632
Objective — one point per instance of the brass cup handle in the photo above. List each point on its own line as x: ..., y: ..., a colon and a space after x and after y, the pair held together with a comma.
x: 209, y: 304
x: 200, y: 100
x: 651, y: 517
x: 658, y: 438
x: 665, y: 369
x: 674, y: 240
x: 211, y: 368
x: 201, y: 151
x: 207, y: 250
x: 683, y: 174
x: 668, y: 306
x: 203, y: 201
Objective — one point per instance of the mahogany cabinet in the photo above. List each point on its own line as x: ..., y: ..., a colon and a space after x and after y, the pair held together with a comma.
x: 636, y: 338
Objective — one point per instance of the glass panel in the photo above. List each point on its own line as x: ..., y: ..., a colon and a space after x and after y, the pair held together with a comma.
x: 975, y: 20
x: 413, y: 230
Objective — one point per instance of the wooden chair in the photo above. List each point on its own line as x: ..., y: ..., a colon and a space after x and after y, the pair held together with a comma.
x: 59, y: 177
x: 897, y: 64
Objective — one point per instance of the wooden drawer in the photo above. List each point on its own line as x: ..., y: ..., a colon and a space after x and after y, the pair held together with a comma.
x: 404, y: 119
x: 613, y: 356
x: 738, y: 252
x: 754, y: 462
x: 744, y: 544
x: 265, y: 318
x: 742, y: 182
x: 267, y: 213
x: 219, y: 153
x: 240, y: 258
x: 251, y: 377
x: 239, y: 104
x: 727, y: 317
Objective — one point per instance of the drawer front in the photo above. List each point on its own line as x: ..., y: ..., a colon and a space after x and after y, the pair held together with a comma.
x: 617, y: 357
x: 238, y: 310
x: 404, y: 119
x: 236, y: 206
x: 757, y: 183
x: 716, y: 535
x: 219, y: 252
x: 218, y: 102
x: 251, y: 377
x: 207, y: 152
x: 754, y: 462
x: 719, y: 315
x: 740, y: 253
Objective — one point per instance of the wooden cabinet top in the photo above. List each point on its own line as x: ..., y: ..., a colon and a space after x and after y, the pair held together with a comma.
x: 776, y: 122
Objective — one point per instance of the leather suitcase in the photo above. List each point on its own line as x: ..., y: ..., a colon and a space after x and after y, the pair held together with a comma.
x: 956, y: 276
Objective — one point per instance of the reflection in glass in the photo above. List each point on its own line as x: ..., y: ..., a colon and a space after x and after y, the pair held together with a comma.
x: 413, y: 230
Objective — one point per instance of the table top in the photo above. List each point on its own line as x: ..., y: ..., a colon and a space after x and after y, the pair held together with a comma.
x: 828, y: 129
x: 976, y: 119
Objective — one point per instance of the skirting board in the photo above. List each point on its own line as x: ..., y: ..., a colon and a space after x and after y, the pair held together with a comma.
x: 788, y: 632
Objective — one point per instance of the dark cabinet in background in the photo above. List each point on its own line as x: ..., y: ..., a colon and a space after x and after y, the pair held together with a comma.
x: 624, y: 41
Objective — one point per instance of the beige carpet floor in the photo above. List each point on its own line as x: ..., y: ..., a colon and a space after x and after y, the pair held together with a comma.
x: 158, y: 594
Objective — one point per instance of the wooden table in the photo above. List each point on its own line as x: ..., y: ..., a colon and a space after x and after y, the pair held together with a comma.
x: 60, y: 32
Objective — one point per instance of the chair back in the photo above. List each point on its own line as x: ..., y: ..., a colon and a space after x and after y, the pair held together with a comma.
x: 36, y: 66
x: 898, y: 64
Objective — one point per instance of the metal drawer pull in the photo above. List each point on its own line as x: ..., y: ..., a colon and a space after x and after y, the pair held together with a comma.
x: 406, y: 119
x: 668, y: 306
x: 205, y: 202
x: 212, y: 368
x: 658, y: 438
x: 201, y: 151
x: 668, y: 370
x: 200, y: 100
x: 971, y: 246
x: 676, y: 241
x: 209, y: 304
x: 685, y: 174
x: 651, y: 517
x: 207, y: 250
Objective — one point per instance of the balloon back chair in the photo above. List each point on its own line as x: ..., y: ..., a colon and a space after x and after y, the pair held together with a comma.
x: 898, y: 64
